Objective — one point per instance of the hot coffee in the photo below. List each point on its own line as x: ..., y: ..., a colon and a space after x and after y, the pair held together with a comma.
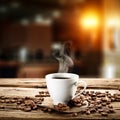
x: 62, y: 86
x: 61, y: 77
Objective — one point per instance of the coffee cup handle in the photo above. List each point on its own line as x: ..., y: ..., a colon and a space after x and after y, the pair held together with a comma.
x: 84, y: 84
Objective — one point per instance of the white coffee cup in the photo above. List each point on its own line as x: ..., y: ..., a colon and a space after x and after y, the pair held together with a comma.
x: 62, y: 86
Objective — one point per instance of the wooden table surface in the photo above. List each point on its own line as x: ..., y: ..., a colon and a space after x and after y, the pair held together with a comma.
x: 32, y: 86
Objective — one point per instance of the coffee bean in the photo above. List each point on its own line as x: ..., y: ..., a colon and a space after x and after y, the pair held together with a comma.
x: 3, y: 97
x: 34, y: 107
x: 103, y: 104
x: 42, y: 99
x: 2, y: 101
x: 92, y: 102
x: 112, y: 99
x: 117, y: 97
x: 93, y: 95
x: 87, y: 92
x: 37, y: 101
x: 37, y: 95
x: 88, y: 112
x: 40, y: 92
x: 109, y: 96
x: 104, y: 100
x: 2, y: 106
x: 110, y: 106
x: 106, y: 92
x: 56, y: 107
x: 98, y: 101
x: 28, y: 102
x: 60, y: 105
x: 91, y: 105
x: 78, y: 105
x: 27, y: 109
x: 92, y: 92
x: 104, y: 114
x: 99, y: 106
x: 100, y: 110
x: 108, y: 100
x: 63, y: 108
x: 92, y: 110
x: 49, y: 110
x: 93, y: 98
x: 18, y: 102
x: 22, y: 104
x: 13, y: 101
x: 42, y: 95
x: 45, y: 109
x: 74, y: 114
x: 111, y: 110
x: 27, y: 97
x: 21, y: 107
x: 101, y: 95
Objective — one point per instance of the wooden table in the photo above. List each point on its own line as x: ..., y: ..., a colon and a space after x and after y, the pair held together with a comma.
x: 31, y: 87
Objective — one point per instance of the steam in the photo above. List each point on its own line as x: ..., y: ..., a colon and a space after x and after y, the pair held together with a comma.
x: 64, y: 59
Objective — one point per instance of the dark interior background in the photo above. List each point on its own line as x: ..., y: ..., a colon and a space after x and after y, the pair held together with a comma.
x: 36, y: 26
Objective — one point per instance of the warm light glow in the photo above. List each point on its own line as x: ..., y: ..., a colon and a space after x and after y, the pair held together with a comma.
x: 90, y: 20
x: 112, y: 22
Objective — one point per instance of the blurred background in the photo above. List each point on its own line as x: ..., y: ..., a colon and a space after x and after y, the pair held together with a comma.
x: 32, y: 30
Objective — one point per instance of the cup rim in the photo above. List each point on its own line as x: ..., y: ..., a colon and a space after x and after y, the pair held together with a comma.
x: 71, y: 75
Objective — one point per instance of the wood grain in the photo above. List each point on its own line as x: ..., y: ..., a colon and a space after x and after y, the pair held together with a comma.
x: 40, y: 83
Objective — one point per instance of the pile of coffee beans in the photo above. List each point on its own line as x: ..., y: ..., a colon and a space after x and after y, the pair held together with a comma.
x: 27, y: 104
x: 61, y: 107
x: 98, y: 102
x: 77, y: 101
x: 43, y: 94
x: 22, y: 103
